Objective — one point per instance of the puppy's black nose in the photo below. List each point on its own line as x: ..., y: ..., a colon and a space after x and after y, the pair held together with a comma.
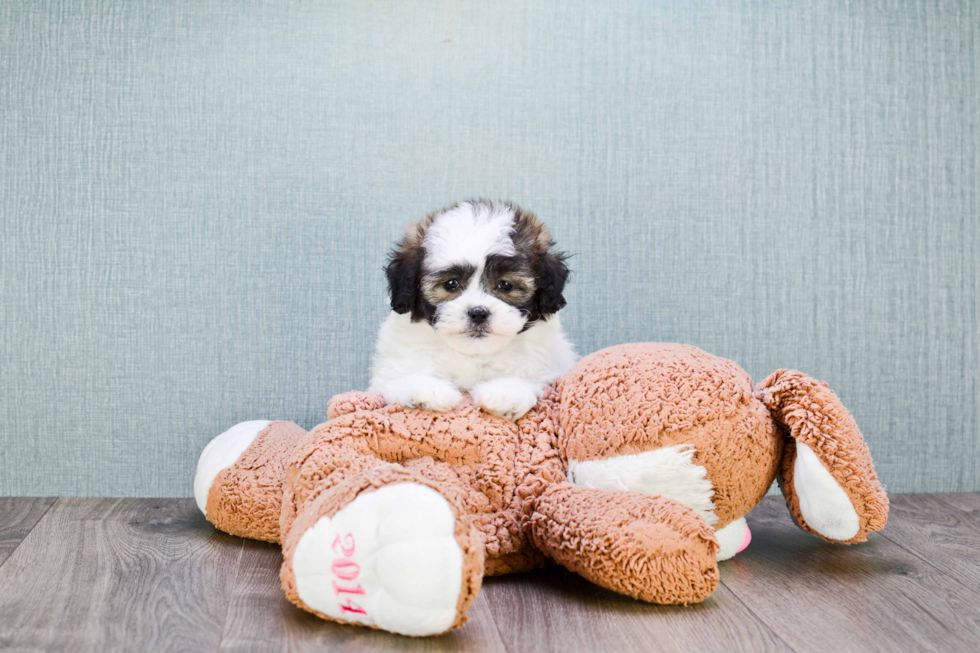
x: 478, y: 314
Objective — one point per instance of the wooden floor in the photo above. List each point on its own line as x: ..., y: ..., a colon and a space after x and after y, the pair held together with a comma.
x: 152, y: 575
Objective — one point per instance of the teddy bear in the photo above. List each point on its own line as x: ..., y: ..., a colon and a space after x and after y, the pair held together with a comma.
x: 635, y: 470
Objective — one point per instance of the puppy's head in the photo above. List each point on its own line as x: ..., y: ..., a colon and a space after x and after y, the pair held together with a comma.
x: 479, y: 272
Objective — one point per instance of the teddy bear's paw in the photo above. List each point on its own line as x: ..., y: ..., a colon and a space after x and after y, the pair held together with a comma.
x: 220, y: 453
x: 388, y: 559
x: 732, y: 539
x: 424, y: 392
x: 508, y: 398
x: 351, y: 402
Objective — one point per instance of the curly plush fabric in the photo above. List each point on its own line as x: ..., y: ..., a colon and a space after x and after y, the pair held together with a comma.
x: 478, y: 460
x: 640, y: 397
x: 507, y: 484
x: 647, y: 547
x: 246, y: 498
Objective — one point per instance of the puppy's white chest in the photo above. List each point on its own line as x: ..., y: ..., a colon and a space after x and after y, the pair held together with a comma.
x: 467, y: 371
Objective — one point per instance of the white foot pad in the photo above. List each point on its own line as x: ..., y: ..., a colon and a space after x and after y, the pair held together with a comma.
x: 733, y: 538
x: 388, y: 559
x: 220, y: 453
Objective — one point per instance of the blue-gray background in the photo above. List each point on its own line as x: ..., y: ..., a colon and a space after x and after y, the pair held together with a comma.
x: 197, y: 198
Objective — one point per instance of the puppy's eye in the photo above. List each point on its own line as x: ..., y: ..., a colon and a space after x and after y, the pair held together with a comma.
x: 451, y: 285
x: 504, y: 286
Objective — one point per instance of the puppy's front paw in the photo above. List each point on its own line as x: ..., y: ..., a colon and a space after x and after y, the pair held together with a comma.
x: 509, y: 398
x: 440, y: 395
x: 425, y: 392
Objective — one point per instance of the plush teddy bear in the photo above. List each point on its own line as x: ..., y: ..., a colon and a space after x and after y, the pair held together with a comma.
x: 635, y: 470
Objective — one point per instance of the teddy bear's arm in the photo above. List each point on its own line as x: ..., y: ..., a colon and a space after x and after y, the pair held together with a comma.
x: 648, y: 547
x: 826, y: 473
x: 351, y: 402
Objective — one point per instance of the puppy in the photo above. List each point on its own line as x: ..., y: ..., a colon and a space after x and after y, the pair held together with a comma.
x: 475, y: 294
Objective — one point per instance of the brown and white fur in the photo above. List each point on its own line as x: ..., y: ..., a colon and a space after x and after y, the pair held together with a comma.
x: 475, y: 294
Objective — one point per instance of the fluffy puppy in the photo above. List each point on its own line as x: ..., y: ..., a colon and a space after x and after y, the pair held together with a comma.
x: 475, y: 294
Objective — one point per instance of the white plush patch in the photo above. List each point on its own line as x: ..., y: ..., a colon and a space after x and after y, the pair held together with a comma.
x: 824, y: 504
x: 388, y: 559
x: 667, y: 472
x: 731, y: 538
x: 220, y: 453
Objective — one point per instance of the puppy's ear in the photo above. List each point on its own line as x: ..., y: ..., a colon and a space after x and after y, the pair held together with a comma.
x: 404, y: 272
x: 551, y: 274
x: 550, y: 271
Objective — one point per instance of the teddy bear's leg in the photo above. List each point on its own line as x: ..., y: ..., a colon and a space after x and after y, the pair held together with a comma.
x: 240, y: 477
x: 826, y: 473
x: 648, y: 547
x: 386, y: 548
x: 317, y: 466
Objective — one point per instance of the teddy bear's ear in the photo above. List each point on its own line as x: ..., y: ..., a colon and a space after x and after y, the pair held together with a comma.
x: 826, y: 473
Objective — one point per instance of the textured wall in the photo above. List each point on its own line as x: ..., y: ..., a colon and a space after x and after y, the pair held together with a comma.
x: 196, y: 199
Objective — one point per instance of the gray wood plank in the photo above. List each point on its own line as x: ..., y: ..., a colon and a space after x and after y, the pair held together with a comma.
x: 260, y: 619
x: 101, y: 575
x: 118, y: 575
x: 874, y: 596
x: 942, y: 535
x: 968, y: 502
x: 18, y: 515
x: 556, y: 610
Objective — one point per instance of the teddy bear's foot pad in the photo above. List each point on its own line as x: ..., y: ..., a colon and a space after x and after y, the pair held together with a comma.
x: 388, y: 559
x: 222, y: 452
x: 733, y: 538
